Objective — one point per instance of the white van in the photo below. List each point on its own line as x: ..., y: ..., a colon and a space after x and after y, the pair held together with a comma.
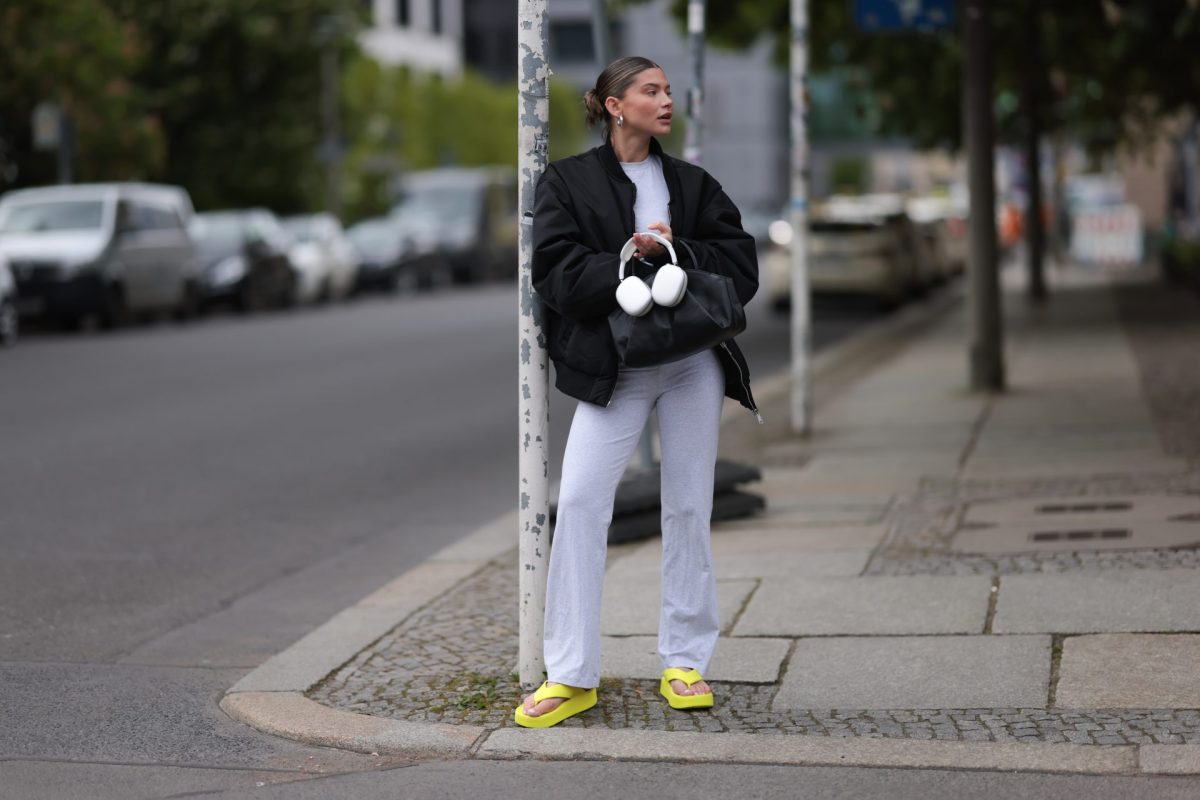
x: 108, y: 251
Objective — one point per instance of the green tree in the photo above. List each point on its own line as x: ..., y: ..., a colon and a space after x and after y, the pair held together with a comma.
x: 85, y: 58
x: 1115, y: 68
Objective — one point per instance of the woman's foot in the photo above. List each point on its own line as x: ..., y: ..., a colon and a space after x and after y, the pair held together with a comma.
x: 537, y: 709
x: 699, y: 687
x: 551, y: 704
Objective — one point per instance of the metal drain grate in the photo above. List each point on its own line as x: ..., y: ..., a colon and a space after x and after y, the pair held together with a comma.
x: 1049, y: 524
x: 1079, y: 536
x: 1080, y: 508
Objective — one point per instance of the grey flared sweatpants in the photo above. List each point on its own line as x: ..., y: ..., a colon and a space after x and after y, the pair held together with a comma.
x: 688, y: 395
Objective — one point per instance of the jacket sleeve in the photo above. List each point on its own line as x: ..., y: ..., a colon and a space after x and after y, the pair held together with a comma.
x: 573, y: 279
x: 719, y: 243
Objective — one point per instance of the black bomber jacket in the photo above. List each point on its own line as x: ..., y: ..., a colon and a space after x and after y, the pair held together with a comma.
x: 583, y: 215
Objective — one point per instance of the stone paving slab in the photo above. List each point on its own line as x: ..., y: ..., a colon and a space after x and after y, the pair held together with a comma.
x: 1125, y: 670
x: 867, y: 606
x: 738, y: 660
x: 771, y: 542
x: 1121, y: 601
x: 1049, y: 464
x: 567, y: 743
x: 644, y: 567
x: 631, y: 606
x: 917, y: 672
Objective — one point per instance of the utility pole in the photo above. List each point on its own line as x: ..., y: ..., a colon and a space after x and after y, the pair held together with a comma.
x: 801, y: 304
x: 695, y: 98
x: 601, y: 34
x: 1033, y: 76
x: 986, y: 332
x: 329, y: 31
x: 533, y: 87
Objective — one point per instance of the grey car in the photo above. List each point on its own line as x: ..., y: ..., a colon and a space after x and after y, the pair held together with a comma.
x: 109, y: 251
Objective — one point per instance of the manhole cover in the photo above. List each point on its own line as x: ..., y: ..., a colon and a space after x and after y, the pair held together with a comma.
x: 1079, y: 523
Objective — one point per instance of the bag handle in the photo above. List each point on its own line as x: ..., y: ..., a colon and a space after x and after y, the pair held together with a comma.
x: 631, y: 247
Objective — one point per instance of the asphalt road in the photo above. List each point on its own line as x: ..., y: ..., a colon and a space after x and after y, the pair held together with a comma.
x: 179, y: 503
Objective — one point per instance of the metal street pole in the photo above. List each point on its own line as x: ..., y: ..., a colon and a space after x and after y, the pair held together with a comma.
x: 986, y: 332
x: 601, y: 35
x: 1033, y: 76
x: 328, y: 31
x: 695, y: 104
x: 533, y: 519
x: 801, y: 305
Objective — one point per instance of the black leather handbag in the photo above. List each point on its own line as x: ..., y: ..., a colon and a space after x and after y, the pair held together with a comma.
x: 709, y: 313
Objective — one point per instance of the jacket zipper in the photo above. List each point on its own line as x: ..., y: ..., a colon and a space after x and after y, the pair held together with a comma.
x: 742, y: 380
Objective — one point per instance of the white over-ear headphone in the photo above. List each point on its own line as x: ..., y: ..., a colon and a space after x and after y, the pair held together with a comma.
x: 670, y: 282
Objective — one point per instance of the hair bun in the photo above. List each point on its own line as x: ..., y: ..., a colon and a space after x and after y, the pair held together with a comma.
x: 593, y: 106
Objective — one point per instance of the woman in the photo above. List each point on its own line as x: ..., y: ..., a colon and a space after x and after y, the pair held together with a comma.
x: 587, y: 207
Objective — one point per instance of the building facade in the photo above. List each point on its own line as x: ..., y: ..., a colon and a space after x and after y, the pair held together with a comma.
x: 426, y: 35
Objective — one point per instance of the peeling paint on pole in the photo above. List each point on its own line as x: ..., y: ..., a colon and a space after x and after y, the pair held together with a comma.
x: 801, y: 305
x: 533, y: 360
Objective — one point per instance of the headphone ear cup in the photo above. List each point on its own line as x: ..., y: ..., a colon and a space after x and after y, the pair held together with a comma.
x: 634, y: 297
x: 670, y: 283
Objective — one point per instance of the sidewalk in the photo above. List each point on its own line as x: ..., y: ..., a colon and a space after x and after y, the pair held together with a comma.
x: 940, y: 579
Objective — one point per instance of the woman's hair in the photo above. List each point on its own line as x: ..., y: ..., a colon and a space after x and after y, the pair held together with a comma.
x: 614, y: 81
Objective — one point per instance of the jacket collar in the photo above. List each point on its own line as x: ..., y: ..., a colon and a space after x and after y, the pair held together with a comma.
x: 608, y: 157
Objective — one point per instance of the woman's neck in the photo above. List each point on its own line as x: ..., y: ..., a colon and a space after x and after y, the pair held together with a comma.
x: 629, y: 146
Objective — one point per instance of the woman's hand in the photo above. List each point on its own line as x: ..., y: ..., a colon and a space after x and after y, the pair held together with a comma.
x: 648, y: 247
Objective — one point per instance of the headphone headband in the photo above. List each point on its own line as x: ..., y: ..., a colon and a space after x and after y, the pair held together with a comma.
x: 630, y: 247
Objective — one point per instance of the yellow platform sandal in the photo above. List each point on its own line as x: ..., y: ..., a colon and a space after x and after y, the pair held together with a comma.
x: 575, y: 701
x: 689, y: 677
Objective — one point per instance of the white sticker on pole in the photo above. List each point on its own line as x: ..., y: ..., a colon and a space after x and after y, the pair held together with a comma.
x: 695, y: 17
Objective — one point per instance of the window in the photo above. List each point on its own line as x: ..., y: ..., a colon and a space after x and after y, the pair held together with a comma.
x: 571, y: 42
x: 436, y: 17
x: 402, y: 16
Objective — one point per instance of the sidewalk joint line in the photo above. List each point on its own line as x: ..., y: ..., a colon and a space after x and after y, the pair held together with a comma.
x: 993, y: 598
x: 737, y: 616
x: 1056, y: 651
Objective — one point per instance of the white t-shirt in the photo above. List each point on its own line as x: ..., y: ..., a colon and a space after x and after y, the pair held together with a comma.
x: 653, y: 198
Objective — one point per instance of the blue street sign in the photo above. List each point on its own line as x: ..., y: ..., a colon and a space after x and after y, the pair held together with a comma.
x: 897, y: 15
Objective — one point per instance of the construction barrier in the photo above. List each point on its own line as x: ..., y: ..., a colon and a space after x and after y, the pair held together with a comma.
x: 1107, y: 236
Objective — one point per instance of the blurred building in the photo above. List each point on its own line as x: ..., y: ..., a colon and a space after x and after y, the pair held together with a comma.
x: 746, y: 105
x: 423, y: 34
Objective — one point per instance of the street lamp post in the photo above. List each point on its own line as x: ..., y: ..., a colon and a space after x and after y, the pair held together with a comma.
x: 801, y: 407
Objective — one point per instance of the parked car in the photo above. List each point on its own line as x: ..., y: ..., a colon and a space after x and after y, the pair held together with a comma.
x: 383, y: 251
x: 856, y: 245
x: 244, y: 258
x: 109, y: 251
x: 325, y: 261
x: 467, y: 216
x: 10, y: 322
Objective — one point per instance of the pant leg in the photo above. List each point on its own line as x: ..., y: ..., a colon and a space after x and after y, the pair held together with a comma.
x: 689, y: 417
x: 598, y: 449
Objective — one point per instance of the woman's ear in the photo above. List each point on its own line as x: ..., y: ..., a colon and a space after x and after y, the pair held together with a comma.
x: 613, y: 106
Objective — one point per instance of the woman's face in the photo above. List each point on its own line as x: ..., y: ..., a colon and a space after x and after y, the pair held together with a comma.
x: 647, y: 104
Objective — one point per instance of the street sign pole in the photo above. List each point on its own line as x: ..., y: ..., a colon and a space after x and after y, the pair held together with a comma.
x: 533, y: 362
x: 801, y: 406
x: 695, y: 97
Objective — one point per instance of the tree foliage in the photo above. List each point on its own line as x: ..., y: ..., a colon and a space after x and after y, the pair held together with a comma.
x: 223, y: 97
x: 1114, y: 69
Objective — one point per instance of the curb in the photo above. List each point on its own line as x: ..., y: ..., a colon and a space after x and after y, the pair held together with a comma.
x: 271, y: 698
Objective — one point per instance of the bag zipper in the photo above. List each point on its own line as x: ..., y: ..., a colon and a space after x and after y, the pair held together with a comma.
x: 742, y: 380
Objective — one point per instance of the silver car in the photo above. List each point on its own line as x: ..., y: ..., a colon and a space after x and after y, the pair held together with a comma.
x: 107, y: 251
